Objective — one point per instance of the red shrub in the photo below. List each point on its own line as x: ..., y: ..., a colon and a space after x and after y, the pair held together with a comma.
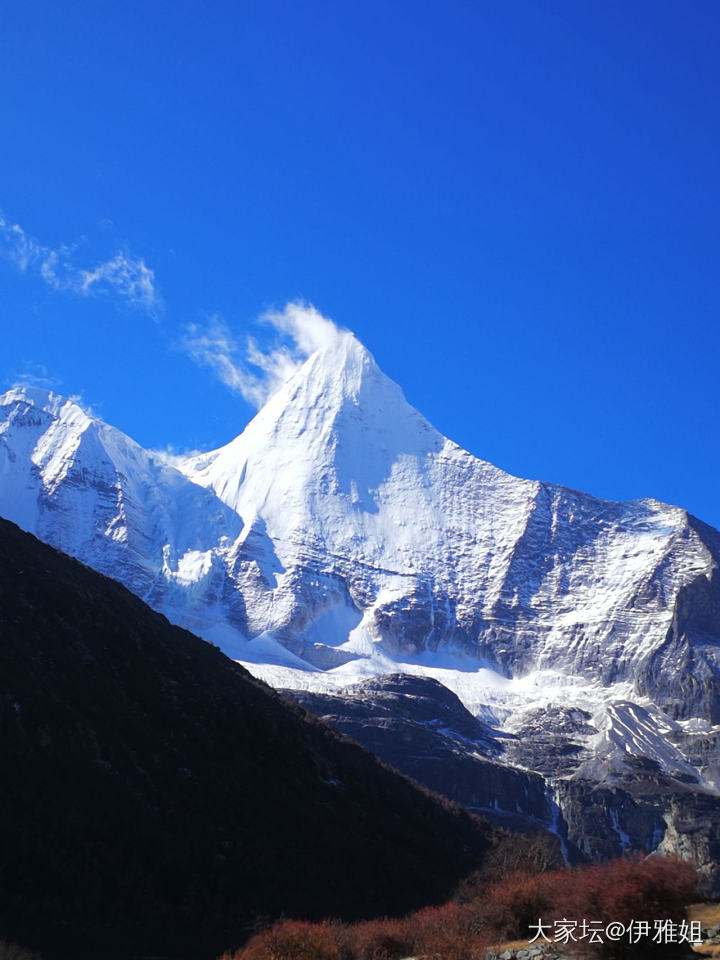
x: 622, y: 890
x: 509, y: 907
x: 655, y: 888
x: 436, y: 933
x: 630, y: 890
x: 292, y: 940
x: 377, y: 940
x: 446, y: 933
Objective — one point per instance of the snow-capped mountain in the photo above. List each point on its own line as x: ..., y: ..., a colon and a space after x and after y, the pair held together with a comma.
x: 384, y: 539
x: 88, y: 489
x: 341, y: 537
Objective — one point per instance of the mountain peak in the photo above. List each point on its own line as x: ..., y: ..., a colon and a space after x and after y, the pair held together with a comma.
x: 338, y: 420
x: 338, y: 369
x: 344, y: 352
x: 40, y: 397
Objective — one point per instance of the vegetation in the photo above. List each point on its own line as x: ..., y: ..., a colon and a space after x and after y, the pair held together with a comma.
x: 622, y: 890
x: 162, y: 801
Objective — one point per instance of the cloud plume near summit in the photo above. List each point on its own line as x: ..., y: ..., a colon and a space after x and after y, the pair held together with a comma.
x: 257, y: 370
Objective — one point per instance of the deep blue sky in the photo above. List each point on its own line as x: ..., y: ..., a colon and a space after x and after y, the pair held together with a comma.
x: 515, y: 205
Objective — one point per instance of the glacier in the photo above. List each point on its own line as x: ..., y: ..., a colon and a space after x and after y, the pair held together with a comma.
x: 341, y: 538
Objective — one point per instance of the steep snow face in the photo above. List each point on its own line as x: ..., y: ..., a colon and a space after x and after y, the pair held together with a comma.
x: 388, y: 541
x: 90, y: 490
x: 341, y: 535
x: 357, y: 494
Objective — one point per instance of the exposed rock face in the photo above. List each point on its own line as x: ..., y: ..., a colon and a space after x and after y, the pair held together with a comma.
x: 342, y: 524
x: 693, y: 832
x: 681, y: 675
x: 599, y: 822
x: 340, y: 537
x: 551, y: 739
x: 418, y: 726
x: 158, y: 799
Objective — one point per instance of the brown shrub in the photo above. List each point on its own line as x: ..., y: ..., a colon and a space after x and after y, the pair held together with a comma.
x: 377, y: 940
x: 292, y: 940
x: 622, y: 890
x: 630, y: 889
x: 508, y: 908
x: 446, y: 933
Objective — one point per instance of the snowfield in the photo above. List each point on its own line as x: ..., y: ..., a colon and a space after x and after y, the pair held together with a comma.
x: 341, y: 537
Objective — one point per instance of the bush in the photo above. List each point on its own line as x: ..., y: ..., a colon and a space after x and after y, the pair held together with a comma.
x: 292, y: 940
x: 377, y: 940
x: 508, y: 908
x: 447, y: 933
x: 622, y: 890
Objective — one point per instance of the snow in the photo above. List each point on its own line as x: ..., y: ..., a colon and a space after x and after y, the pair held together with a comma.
x: 339, y: 536
x: 93, y: 492
x: 192, y: 566
x: 631, y: 729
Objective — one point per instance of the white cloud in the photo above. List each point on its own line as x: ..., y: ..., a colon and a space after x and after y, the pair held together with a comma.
x: 212, y: 345
x: 306, y: 326
x: 35, y: 375
x: 121, y: 274
x: 257, y: 371
x: 175, y: 458
x: 123, y: 277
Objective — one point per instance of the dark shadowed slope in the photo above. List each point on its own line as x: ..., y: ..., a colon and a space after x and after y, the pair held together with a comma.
x: 157, y: 799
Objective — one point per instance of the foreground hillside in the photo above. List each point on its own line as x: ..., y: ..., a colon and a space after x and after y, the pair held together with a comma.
x: 157, y: 799
x: 340, y: 541
x: 630, y: 909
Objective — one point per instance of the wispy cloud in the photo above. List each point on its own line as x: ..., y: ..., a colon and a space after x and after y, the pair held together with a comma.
x: 173, y: 457
x: 253, y: 370
x: 34, y: 375
x: 123, y: 277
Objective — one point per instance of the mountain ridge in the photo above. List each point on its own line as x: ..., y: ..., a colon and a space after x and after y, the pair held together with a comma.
x: 341, y: 537
x: 163, y: 801
x: 338, y: 474
x: 337, y: 470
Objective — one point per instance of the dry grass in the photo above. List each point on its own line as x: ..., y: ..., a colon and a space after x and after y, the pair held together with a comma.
x: 707, y: 913
x: 708, y: 950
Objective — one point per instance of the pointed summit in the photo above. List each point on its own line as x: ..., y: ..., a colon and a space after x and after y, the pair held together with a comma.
x: 344, y: 353
x: 344, y: 365
x: 340, y: 530
x: 342, y: 370
x: 338, y: 424
x: 341, y: 536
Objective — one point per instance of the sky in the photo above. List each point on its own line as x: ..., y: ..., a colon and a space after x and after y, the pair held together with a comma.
x: 514, y: 205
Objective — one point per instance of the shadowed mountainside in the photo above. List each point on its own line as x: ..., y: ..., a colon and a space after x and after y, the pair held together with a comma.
x: 158, y: 799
